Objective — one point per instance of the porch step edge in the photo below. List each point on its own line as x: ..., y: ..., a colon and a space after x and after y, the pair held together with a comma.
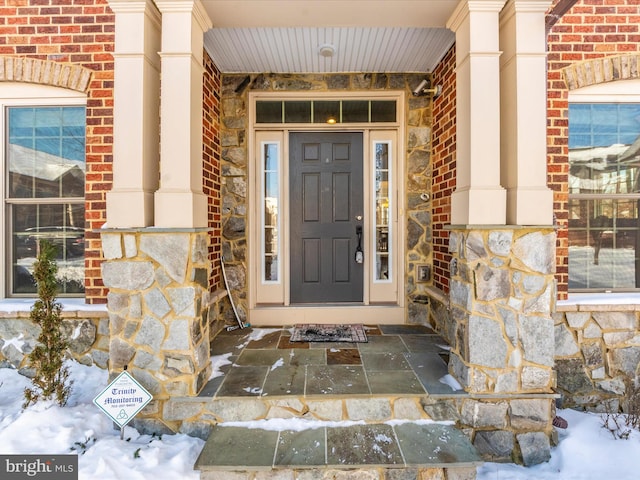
x: 450, y: 473
x: 393, y: 445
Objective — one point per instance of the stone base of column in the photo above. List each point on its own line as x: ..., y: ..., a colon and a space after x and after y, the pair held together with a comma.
x: 158, y: 311
x: 501, y: 297
x: 502, y: 293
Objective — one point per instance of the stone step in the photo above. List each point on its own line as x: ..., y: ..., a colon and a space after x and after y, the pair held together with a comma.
x: 368, y: 408
x: 319, y: 449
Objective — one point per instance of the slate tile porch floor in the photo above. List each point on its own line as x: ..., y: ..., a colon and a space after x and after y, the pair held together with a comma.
x: 397, y: 359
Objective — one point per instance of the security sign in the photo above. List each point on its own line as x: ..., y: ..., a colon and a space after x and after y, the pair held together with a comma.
x: 123, y: 399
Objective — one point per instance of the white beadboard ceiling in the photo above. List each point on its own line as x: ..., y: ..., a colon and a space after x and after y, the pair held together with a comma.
x: 284, y: 36
x: 357, y: 49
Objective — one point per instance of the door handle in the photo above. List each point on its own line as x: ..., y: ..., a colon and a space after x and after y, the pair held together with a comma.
x: 359, y: 253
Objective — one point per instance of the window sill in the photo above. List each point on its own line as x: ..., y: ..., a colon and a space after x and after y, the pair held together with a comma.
x: 11, y: 305
x: 629, y: 301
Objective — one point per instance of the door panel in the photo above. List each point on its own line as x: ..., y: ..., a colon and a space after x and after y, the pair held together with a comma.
x: 342, y: 259
x: 325, y: 171
x: 341, y: 197
x: 311, y: 257
x: 311, y: 197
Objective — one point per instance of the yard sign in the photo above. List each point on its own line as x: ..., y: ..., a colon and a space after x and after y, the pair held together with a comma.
x: 123, y: 399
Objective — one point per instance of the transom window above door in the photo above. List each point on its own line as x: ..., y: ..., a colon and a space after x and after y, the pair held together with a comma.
x: 326, y: 111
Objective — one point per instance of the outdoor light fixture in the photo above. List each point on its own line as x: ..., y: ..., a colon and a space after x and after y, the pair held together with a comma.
x: 331, y: 120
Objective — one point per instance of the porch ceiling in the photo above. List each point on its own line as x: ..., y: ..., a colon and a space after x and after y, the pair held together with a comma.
x: 285, y: 36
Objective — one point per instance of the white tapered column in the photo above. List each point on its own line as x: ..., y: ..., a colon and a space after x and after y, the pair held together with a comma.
x: 136, y: 108
x: 479, y: 198
x: 180, y: 202
x: 524, y: 112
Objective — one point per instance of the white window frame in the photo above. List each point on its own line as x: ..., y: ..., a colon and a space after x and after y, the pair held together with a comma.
x: 621, y: 91
x: 385, y: 290
x: 269, y: 292
x: 383, y: 302
x: 16, y: 94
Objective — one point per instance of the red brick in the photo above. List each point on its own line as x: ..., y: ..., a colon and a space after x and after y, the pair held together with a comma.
x: 38, y: 28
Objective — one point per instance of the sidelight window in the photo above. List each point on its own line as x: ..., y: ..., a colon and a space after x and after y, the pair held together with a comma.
x: 383, y: 212
x: 271, y: 203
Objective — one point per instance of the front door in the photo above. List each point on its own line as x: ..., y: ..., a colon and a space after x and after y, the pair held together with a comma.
x: 326, y: 215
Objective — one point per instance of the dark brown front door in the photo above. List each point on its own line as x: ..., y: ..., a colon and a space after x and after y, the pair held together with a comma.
x: 325, y: 171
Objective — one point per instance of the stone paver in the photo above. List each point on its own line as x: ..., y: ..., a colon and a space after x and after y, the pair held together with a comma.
x: 399, y: 376
x: 407, y: 444
x: 397, y: 359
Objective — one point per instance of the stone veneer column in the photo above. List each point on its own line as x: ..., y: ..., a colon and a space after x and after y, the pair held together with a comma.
x: 479, y: 198
x: 136, y: 109
x: 180, y: 201
x: 502, y: 295
x: 157, y: 303
x: 523, y: 82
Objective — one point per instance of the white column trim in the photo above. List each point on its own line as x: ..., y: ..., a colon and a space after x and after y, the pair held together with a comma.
x: 194, y: 7
x: 180, y: 201
x: 479, y: 198
x: 136, y: 107
x: 523, y: 110
x: 463, y: 8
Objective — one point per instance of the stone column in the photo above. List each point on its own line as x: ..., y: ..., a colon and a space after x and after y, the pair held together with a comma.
x: 136, y: 110
x: 157, y: 302
x: 502, y: 295
x: 523, y: 80
x: 479, y: 199
x: 180, y: 201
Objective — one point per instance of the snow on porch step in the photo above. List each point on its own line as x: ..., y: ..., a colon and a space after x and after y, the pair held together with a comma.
x: 236, y: 452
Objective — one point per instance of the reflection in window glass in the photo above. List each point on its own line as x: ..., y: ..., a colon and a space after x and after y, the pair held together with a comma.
x: 383, y: 220
x: 604, y: 156
x: 326, y: 112
x: 46, y: 152
x: 271, y: 202
x: 45, y: 166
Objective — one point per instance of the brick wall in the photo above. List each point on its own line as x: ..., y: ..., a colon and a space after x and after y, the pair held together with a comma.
x: 590, y: 29
x: 444, y: 165
x: 211, y: 161
x: 80, y: 32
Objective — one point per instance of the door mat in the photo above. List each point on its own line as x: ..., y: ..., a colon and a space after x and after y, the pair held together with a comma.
x: 328, y: 333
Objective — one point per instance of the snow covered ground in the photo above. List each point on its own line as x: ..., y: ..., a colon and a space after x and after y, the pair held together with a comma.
x: 81, y: 427
x: 586, y: 450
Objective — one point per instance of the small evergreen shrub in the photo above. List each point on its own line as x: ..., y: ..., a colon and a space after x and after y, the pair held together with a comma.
x: 47, y: 358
